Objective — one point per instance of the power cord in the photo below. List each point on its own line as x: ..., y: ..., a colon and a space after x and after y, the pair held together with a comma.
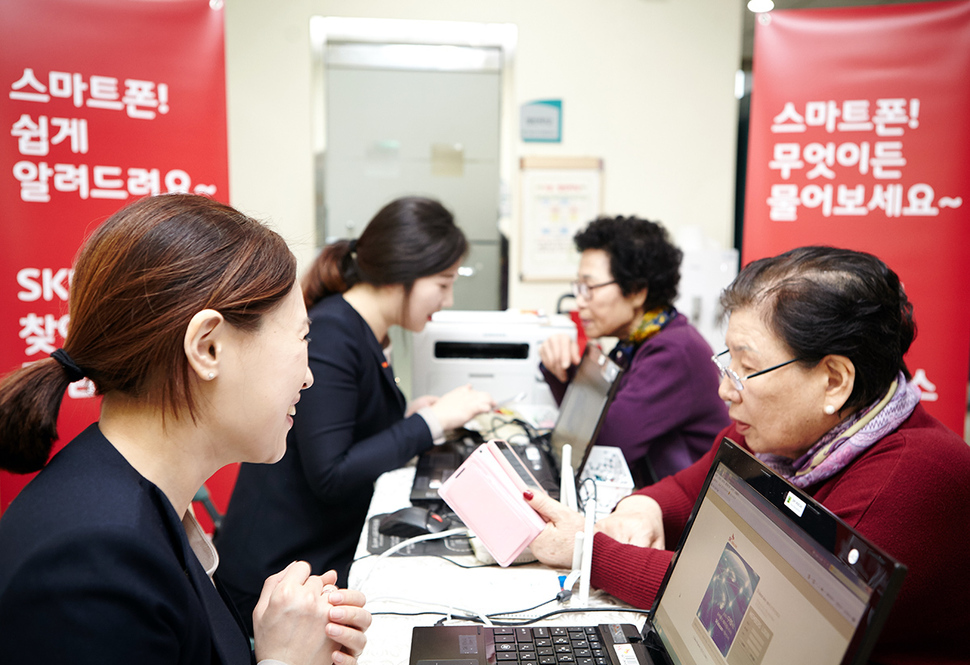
x: 457, y: 563
x: 495, y: 618
x: 462, y: 531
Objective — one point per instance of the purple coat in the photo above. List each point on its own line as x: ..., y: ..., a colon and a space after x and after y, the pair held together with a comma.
x: 666, y: 409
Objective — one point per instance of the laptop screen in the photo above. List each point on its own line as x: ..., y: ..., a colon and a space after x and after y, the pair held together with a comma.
x: 750, y: 586
x: 584, y: 406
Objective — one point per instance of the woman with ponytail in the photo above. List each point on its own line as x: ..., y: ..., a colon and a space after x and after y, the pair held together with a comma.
x: 353, y: 424
x: 186, y: 316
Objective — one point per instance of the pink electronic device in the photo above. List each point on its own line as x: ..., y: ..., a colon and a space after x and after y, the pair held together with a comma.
x: 486, y: 493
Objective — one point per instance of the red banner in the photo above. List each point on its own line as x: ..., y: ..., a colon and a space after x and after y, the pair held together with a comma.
x: 103, y: 101
x: 859, y: 138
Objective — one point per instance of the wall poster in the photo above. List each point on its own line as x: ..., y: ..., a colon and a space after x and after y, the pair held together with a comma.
x: 560, y: 196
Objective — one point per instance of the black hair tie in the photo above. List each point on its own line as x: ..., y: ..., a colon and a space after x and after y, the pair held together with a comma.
x: 74, y: 373
x: 352, y: 246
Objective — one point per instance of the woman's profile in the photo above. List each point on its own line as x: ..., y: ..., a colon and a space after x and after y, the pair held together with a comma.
x: 353, y: 424
x: 186, y: 316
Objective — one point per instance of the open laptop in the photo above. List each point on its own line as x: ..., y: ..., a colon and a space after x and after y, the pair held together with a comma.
x: 581, y: 414
x: 763, y: 575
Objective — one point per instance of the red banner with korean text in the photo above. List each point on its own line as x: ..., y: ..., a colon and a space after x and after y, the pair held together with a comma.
x: 859, y: 138
x: 102, y: 102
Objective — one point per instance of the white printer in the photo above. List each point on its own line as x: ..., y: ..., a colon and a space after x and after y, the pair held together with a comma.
x: 495, y: 351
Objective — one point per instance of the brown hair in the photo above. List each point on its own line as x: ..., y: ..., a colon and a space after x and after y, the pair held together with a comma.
x: 137, y: 282
x: 409, y: 238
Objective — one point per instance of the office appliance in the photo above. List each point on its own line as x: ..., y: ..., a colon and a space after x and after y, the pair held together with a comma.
x: 763, y: 574
x: 497, y: 352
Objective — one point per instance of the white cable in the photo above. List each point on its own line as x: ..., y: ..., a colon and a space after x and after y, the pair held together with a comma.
x: 427, y: 536
x: 577, y: 552
x: 586, y: 564
x: 567, y: 478
x: 404, y: 543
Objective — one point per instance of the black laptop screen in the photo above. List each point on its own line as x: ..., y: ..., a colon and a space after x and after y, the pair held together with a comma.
x: 584, y: 406
x: 750, y: 587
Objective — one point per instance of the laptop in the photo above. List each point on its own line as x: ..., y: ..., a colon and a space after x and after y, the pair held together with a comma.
x: 763, y: 575
x: 581, y: 414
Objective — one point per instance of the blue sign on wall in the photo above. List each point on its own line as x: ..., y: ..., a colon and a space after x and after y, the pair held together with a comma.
x: 541, y: 121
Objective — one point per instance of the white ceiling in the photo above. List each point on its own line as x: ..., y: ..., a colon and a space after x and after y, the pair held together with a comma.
x: 748, y: 36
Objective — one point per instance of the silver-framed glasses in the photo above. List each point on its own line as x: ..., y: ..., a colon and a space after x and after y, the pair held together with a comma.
x: 723, y: 362
x: 584, y: 290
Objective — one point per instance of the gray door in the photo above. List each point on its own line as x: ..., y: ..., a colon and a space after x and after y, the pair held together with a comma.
x: 409, y: 126
x: 417, y: 120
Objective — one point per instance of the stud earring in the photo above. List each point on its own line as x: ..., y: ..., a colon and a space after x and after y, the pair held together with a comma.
x: 212, y: 375
x: 829, y: 409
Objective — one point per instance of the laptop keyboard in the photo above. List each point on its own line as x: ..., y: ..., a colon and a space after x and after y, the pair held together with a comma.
x: 548, y: 646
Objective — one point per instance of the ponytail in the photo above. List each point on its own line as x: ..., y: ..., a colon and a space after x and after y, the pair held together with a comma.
x: 409, y: 238
x: 138, y: 281
x: 334, y: 271
x: 30, y: 399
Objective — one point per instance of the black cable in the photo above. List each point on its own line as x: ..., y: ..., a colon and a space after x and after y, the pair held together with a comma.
x: 585, y: 495
x: 499, y: 622
x: 528, y: 609
x: 569, y: 610
x: 418, y: 614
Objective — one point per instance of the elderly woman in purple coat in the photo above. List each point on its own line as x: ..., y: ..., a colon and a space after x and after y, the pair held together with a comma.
x: 666, y: 411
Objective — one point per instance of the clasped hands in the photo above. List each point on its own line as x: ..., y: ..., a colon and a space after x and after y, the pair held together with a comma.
x: 636, y: 520
x: 304, y: 619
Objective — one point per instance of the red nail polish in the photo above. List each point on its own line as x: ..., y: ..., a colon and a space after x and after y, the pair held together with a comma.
x: 527, y: 495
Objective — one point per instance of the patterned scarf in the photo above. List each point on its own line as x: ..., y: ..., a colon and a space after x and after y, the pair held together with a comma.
x: 649, y: 325
x: 847, y: 440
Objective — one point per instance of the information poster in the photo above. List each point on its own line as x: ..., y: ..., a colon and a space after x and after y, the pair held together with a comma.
x: 103, y: 102
x: 560, y: 196
x: 859, y: 139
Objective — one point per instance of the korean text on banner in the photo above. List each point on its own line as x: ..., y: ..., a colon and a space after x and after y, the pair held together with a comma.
x: 859, y: 139
x: 103, y: 102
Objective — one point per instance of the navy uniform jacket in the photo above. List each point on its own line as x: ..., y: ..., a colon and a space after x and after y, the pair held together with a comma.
x: 348, y: 430
x: 95, y: 567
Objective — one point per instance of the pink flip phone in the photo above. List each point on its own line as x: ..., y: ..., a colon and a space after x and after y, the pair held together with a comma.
x: 486, y: 493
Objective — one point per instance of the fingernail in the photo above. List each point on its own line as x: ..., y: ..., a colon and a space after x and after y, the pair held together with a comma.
x: 527, y: 495
x: 336, y: 613
x: 336, y: 598
x: 334, y: 630
x: 339, y: 657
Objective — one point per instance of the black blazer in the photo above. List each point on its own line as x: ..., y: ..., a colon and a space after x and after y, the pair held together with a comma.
x: 95, y: 567
x: 348, y: 430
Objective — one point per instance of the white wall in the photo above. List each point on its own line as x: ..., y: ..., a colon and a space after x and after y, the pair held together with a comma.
x: 647, y: 85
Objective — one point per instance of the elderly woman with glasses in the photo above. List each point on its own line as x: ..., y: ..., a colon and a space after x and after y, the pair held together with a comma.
x: 818, y: 390
x: 666, y: 411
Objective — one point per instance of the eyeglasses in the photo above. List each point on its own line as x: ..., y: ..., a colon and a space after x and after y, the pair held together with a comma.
x: 584, y: 290
x: 736, y: 380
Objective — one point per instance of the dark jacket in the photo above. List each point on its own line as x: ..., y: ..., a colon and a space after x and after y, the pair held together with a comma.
x: 95, y: 567
x: 349, y: 428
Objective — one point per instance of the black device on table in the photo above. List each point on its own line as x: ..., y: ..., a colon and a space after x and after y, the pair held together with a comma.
x: 763, y: 574
x: 413, y: 521
x: 581, y: 414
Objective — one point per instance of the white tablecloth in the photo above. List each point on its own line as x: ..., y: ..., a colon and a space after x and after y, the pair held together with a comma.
x: 415, y: 583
